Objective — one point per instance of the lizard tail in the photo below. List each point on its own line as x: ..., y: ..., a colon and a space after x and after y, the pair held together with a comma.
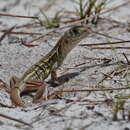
x: 15, y: 97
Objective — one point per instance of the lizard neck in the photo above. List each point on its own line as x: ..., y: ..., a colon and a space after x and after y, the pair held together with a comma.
x: 65, y: 46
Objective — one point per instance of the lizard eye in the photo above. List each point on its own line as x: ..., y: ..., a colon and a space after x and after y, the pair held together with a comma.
x: 75, y: 31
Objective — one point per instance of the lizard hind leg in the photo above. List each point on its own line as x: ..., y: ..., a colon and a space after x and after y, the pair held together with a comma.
x: 15, y: 93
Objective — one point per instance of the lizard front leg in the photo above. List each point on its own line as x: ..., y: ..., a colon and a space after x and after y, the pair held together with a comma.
x: 54, y: 78
x: 43, y: 89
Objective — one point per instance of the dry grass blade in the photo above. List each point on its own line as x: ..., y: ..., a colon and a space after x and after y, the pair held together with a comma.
x: 123, y: 24
x: 86, y: 126
x: 98, y: 59
x: 17, y: 120
x: 66, y: 107
x: 107, y: 48
x: 92, y: 90
x: 117, y: 7
x: 4, y: 86
x: 6, y: 33
x: 38, y: 38
x: 22, y: 33
x: 80, y: 64
x: 106, y: 35
x: 19, y: 16
x: 30, y: 24
x: 128, y: 62
x: 106, y: 76
x: 105, y: 43
x: 27, y: 44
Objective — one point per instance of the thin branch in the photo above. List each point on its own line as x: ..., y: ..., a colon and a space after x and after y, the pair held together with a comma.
x: 17, y: 120
x: 106, y: 76
x: 27, y: 44
x: 105, y: 43
x: 19, y: 16
x: 117, y: 7
x: 23, y: 33
x: 107, y: 48
x: 92, y: 90
x: 6, y: 33
x: 126, y: 58
x: 114, y: 21
x: 105, y: 35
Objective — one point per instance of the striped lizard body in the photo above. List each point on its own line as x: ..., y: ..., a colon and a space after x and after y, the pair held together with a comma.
x: 50, y: 62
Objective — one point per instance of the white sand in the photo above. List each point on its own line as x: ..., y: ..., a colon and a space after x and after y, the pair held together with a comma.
x: 15, y: 59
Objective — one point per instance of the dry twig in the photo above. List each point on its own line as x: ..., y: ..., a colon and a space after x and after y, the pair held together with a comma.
x: 17, y: 120
x: 92, y: 90
x: 19, y: 16
x: 105, y: 43
x: 6, y: 33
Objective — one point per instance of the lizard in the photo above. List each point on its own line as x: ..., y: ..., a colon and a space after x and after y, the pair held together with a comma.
x: 49, y: 63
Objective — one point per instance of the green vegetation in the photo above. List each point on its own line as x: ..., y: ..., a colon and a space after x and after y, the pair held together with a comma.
x: 51, y: 22
x: 89, y: 9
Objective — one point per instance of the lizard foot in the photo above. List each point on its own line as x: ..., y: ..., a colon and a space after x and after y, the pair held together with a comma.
x: 39, y: 93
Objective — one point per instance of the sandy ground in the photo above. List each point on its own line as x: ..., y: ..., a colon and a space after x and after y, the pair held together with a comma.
x: 62, y: 114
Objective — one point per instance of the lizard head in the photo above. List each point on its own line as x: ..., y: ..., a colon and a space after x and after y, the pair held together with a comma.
x: 72, y: 37
x: 75, y: 34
